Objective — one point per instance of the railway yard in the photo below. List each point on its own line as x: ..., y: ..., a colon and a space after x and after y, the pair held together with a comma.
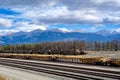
x: 92, y: 66
x: 74, y: 71
x: 14, y: 73
x: 59, y: 39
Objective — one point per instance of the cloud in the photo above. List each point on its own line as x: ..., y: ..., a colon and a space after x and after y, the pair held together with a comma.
x: 7, y: 32
x: 42, y: 13
x: 117, y: 30
x: 5, y: 22
x: 81, y: 14
x: 22, y: 26
x: 26, y: 3
x: 26, y: 26
x: 112, y: 19
x: 61, y: 14
x: 66, y: 11
x: 87, y: 4
x: 65, y: 30
x: 71, y: 4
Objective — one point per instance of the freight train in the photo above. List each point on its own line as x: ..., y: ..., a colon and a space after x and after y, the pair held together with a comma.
x: 65, y: 58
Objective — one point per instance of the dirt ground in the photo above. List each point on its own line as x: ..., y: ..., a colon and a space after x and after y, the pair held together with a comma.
x: 108, y: 54
x: 2, y: 78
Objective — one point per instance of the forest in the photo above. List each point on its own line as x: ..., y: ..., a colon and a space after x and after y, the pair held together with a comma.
x: 74, y: 47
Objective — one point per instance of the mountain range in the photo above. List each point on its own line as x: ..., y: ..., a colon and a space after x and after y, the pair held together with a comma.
x: 37, y: 36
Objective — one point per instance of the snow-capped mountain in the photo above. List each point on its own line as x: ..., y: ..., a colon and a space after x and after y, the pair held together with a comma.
x: 104, y: 32
x: 38, y: 35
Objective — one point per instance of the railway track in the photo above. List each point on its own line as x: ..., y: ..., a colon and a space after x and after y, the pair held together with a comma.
x: 74, y: 72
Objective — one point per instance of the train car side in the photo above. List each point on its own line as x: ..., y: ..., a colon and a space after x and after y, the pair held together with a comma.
x: 115, y: 62
x: 65, y: 58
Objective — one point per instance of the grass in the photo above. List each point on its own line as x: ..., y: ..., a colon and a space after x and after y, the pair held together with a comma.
x: 2, y: 78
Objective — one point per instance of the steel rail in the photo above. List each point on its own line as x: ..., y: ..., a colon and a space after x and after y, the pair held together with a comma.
x: 77, y: 70
x: 51, y: 71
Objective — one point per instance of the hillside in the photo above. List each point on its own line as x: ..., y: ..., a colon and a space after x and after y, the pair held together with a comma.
x: 37, y: 36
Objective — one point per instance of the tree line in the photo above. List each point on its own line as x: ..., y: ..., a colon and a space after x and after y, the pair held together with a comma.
x: 62, y: 47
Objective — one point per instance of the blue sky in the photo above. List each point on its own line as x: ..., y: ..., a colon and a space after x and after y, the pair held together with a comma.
x: 66, y: 15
